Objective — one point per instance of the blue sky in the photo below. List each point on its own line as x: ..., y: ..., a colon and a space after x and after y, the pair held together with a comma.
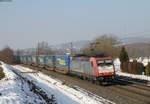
x: 25, y: 22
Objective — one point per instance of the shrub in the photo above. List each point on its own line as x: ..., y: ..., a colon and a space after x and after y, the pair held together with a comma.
x: 133, y: 67
x: 140, y: 68
x: 2, y: 75
x: 148, y: 69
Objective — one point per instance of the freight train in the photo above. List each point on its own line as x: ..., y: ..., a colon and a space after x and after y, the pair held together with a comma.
x: 96, y: 69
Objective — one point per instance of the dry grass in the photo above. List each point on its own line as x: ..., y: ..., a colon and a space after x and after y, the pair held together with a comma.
x: 2, y: 75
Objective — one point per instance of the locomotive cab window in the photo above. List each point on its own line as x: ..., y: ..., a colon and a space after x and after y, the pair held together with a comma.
x: 108, y: 62
x: 104, y: 62
x: 100, y: 63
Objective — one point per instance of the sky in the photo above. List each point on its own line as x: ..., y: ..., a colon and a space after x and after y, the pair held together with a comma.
x: 24, y: 23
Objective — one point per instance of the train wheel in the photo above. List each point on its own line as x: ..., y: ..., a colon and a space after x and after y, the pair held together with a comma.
x: 97, y: 82
x: 84, y: 78
x: 93, y: 81
x: 100, y: 83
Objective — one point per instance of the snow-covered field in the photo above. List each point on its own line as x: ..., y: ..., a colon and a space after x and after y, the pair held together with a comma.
x: 16, y: 91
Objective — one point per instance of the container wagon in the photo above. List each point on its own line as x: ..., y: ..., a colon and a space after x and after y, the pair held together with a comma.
x: 50, y: 62
x: 28, y: 60
x: 34, y: 60
x: 62, y: 64
x: 41, y: 61
x: 21, y: 59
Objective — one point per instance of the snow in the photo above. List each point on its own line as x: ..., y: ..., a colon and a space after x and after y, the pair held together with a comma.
x: 117, y: 64
x: 143, y: 77
x: 142, y: 60
x: 13, y: 94
x: 14, y: 90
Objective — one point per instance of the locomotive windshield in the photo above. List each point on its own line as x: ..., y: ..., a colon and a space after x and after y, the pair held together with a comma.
x: 108, y: 62
x: 105, y: 66
x: 104, y: 62
x: 100, y: 63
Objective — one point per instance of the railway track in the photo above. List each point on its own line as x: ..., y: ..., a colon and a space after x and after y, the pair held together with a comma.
x: 120, y: 91
x: 98, y: 98
x: 134, y: 95
x: 140, y: 84
x: 133, y: 80
x: 137, y: 88
x: 142, y: 87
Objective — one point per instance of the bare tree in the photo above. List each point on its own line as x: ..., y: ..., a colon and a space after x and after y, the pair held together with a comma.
x: 105, y: 45
x: 44, y: 49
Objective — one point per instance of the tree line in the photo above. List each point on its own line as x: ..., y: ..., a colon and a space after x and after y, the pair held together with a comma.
x: 6, y: 55
x: 105, y: 45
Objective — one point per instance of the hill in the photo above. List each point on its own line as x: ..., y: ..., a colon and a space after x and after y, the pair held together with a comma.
x: 138, y: 49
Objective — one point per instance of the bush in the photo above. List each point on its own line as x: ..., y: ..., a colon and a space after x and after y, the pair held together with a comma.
x: 148, y: 69
x: 133, y: 67
x: 140, y: 68
x: 2, y: 75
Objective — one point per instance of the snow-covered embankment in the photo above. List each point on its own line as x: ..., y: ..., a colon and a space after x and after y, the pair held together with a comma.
x: 14, y: 90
